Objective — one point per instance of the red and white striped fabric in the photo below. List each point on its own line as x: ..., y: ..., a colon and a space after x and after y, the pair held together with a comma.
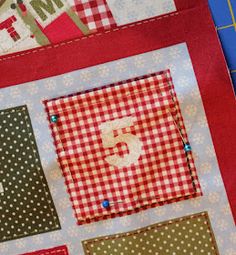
x: 61, y: 250
x: 123, y: 143
x: 95, y: 13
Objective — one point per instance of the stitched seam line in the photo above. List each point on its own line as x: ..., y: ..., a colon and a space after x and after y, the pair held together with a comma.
x: 181, y: 131
x: 39, y: 230
x: 84, y: 38
x: 54, y: 252
x: 113, y: 237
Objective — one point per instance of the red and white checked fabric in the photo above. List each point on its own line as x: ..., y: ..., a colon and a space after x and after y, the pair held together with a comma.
x: 62, y: 250
x: 124, y: 143
x: 95, y: 13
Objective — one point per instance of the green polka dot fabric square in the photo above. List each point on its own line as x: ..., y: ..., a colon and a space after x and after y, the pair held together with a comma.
x: 26, y: 206
x: 190, y: 235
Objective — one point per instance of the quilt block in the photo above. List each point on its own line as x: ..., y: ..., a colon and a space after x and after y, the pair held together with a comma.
x: 123, y: 148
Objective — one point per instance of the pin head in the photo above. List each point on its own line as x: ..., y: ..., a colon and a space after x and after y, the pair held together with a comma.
x: 106, y: 204
x: 187, y: 147
x: 54, y: 118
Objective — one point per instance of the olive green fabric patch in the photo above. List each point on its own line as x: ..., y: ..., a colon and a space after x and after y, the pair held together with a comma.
x: 26, y: 206
x: 190, y: 235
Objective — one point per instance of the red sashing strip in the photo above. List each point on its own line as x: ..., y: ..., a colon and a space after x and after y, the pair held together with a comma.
x: 62, y: 250
x: 96, y: 14
x: 124, y: 143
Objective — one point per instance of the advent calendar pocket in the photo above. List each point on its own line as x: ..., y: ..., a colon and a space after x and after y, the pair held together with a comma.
x: 26, y: 206
x: 187, y: 235
x: 123, y: 148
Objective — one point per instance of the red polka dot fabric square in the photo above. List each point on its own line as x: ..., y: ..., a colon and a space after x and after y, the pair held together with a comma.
x: 62, y: 250
x: 95, y: 13
x: 123, y: 148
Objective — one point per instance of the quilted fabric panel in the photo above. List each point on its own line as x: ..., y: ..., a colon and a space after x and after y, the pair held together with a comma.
x: 123, y: 145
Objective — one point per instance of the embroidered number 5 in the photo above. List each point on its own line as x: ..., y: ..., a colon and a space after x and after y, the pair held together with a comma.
x: 110, y: 141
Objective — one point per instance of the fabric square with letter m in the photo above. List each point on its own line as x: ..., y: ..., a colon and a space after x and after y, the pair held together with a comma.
x: 123, y: 148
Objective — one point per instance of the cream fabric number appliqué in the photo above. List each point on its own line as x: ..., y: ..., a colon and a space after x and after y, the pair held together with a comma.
x: 109, y: 141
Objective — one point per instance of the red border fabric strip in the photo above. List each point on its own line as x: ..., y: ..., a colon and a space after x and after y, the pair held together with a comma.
x: 186, y: 4
x: 120, y: 42
x: 61, y: 250
x: 193, y: 26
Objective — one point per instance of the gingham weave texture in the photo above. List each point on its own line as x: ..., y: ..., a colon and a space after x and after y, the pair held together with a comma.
x: 95, y: 13
x: 162, y: 174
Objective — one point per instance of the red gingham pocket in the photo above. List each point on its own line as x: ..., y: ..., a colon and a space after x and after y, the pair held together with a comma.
x: 123, y: 143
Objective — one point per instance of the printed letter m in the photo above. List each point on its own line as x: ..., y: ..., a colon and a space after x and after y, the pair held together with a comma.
x: 42, y: 6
